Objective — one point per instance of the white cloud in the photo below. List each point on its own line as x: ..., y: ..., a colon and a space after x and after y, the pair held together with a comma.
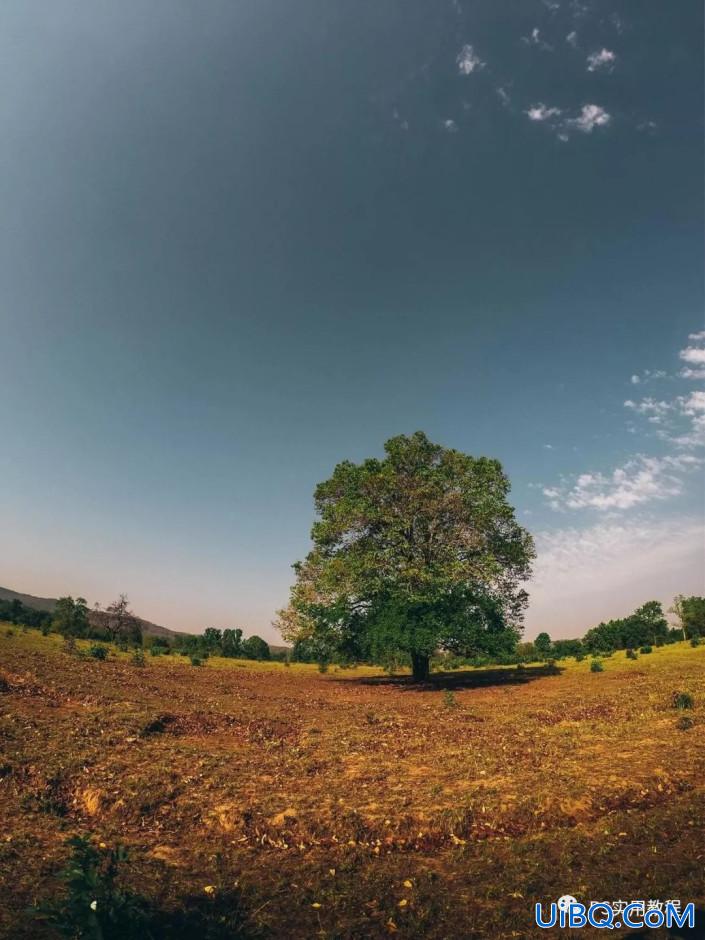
x: 539, y: 112
x: 694, y: 356
x: 635, y: 380
x: 655, y: 410
x: 602, y: 60
x: 572, y: 38
x: 583, y: 576
x: 591, y: 116
x: 640, y: 480
x: 647, y: 375
x: 548, y: 447
x: 450, y: 126
x: 468, y: 61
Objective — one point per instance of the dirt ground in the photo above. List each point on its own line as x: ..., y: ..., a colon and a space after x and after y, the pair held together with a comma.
x: 351, y: 804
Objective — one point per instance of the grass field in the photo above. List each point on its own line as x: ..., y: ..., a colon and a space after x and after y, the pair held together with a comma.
x: 353, y: 804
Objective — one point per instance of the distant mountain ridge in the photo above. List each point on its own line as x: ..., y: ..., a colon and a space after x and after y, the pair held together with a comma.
x: 49, y: 603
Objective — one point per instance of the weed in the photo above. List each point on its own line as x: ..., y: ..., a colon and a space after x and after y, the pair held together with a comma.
x: 449, y: 699
x: 682, y: 700
x: 596, y: 666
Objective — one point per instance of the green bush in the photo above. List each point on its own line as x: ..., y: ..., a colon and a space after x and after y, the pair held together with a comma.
x: 682, y: 700
x: 137, y: 658
x: 94, y: 906
x: 449, y: 699
x: 695, y: 641
x: 196, y: 661
x: 596, y: 666
x: 98, y: 652
x: 645, y: 649
x: 684, y: 723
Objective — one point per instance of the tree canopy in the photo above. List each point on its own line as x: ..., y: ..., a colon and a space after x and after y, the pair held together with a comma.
x: 415, y: 552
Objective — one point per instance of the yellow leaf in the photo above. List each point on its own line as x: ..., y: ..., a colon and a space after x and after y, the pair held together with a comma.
x: 408, y: 884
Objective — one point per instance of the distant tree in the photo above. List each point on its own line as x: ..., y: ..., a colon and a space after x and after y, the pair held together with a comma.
x: 232, y: 643
x: 562, y: 648
x: 254, y: 647
x: 71, y: 617
x: 543, y: 644
x: 691, y: 614
x: 416, y: 552
x: 121, y: 624
x: 212, y: 639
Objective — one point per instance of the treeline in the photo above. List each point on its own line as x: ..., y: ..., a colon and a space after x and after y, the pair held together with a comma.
x: 15, y: 611
x: 229, y: 643
x: 644, y: 628
x: 73, y: 619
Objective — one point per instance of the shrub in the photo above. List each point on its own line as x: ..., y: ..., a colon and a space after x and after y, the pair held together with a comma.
x: 196, y: 661
x: 137, y: 658
x: 682, y: 700
x: 98, y: 652
x: 684, y: 723
x: 579, y: 657
x: 94, y: 905
x: 155, y: 651
x: 449, y: 699
x: 645, y: 649
x: 596, y: 666
x: 631, y: 654
x: 695, y: 641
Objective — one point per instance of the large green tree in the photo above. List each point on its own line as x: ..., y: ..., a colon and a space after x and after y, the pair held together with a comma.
x: 415, y: 552
x: 71, y: 616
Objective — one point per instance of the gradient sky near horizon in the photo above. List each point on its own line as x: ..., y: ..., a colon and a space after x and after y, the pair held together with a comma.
x: 241, y: 241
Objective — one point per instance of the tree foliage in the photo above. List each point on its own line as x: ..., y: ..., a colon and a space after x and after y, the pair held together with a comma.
x: 415, y: 552
x: 71, y: 617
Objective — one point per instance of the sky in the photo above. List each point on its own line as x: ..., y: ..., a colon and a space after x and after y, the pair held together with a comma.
x: 243, y: 240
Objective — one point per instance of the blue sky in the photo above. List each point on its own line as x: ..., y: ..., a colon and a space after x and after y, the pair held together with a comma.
x: 242, y: 241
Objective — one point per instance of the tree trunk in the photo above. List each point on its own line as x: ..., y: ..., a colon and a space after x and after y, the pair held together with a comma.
x: 419, y: 667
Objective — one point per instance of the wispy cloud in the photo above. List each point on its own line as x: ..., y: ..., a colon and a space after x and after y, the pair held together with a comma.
x: 647, y: 376
x: 450, y: 126
x: 604, y: 60
x: 534, y: 39
x: 583, y: 576
x: 468, y: 61
x: 640, y: 480
x: 572, y: 38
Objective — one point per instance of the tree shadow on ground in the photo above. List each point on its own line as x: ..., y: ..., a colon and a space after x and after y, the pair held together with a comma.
x: 463, y: 679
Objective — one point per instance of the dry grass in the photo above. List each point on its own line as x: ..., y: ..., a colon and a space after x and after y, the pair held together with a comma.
x: 353, y: 791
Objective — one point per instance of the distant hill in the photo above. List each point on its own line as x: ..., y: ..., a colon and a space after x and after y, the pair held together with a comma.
x: 96, y: 617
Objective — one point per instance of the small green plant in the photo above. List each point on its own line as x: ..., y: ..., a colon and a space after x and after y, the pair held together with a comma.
x: 695, y: 641
x: 95, y: 907
x: 449, y: 699
x: 98, y: 652
x: 137, y: 658
x: 596, y: 666
x: 631, y: 654
x: 684, y: 723
x: 682, y: 700
x: 645, y: 650
x: 196, y: 661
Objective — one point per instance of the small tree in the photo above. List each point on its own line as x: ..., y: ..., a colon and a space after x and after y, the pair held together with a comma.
x: 232, y: 643
x: 121, y: 624
x: 71, y: 617
x: 691, y: 613
x: 254, y: 647
x: 543, y: 645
